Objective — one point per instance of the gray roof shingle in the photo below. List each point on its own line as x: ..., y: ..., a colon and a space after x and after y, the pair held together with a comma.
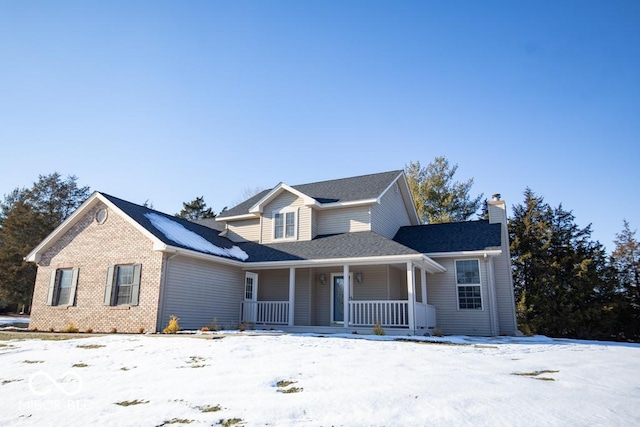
x: 450, y: 237
x: 351, y: 189
x: 347, y: 245
x: 409, y: 240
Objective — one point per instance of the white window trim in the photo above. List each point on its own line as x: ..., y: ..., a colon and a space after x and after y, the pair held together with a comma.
x: 455, y: 271
x: 284, y: 212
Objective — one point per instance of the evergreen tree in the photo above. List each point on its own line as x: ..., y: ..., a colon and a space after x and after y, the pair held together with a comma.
x: 563, y: 283
x: 530, y: 240
x: 27, y: 216
x: 437, y: 196
x: 626, y: 259
x: 196, y: 209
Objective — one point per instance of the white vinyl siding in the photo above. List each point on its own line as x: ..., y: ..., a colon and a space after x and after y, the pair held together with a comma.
x: 322, y: 297
x: 302, y: 314
x: 442, y: 292
x: 286, y: 202
x: 344, y: 220
x: 374, y: 283
x: 274, y: 285
x: 197, y: 291
x: 390, y: 214
x: 397, y: 283
x: 244, y: 230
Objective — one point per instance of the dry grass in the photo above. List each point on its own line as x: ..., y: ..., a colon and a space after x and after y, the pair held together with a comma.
x: 131, y: 402
x: 536, y: 375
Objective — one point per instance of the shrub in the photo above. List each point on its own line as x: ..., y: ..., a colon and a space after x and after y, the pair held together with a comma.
x: 437, y: 332
x: 173, y: 325
x: 70, y: 328
x: 377, y: 329
x: 89, y: 330
x: 214, y: 325
x: 205, y: 329
x: 113, y: 330
x: 141, y: 330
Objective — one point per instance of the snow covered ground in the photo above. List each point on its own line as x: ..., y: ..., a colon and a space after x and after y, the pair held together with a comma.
x: 291, y: 380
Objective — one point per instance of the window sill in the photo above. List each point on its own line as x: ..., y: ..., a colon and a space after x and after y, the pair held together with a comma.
x: 62, y: 307
x: 120, y: 307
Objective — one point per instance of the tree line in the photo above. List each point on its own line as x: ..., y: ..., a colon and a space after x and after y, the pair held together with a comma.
x: 565, y: 283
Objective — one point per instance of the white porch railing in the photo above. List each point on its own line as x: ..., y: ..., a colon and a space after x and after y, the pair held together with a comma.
x: 265, y: 312
x: 425, y: 315
x: 388, y: 313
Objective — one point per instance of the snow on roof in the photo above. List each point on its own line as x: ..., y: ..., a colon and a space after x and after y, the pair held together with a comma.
x: 179, y: 234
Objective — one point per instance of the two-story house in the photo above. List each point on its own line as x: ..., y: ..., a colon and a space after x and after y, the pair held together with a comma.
x: 331, y: 256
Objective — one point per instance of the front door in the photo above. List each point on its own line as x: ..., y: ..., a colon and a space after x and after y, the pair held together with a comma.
x: 338, y: 299
x: 250, y: 298
x: 337, y: 296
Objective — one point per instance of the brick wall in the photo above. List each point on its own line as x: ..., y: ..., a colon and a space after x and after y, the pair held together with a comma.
x: 92, y: 248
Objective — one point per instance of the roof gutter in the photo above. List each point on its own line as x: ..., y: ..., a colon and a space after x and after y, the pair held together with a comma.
x: 175, y: 251
x: 429, y: 264
x: 482, y: 252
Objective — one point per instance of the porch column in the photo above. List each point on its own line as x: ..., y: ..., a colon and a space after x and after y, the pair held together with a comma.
x: 423, y: 285
x: 292, y: 294
x: 347, y: 294
x: 411, y: 295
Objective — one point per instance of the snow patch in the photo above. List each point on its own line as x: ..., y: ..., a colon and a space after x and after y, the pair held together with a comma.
x: 364, y: 380
x: 179, y: 234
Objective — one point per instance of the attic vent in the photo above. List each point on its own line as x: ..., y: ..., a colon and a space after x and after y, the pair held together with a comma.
x: 101, y: 216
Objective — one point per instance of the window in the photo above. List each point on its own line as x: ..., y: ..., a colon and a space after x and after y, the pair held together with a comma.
x: 284, y: 225
x: 123, y: 285
x: 62, y: 286
x: 468, y: 284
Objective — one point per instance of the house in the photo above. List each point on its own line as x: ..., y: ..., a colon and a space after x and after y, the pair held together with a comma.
x: 331, y: 256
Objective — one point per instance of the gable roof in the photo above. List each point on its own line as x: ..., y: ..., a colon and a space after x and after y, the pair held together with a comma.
x: 186, y: 235
x: 142, y: 216
x: 344, y: 190
x: 450, y: 237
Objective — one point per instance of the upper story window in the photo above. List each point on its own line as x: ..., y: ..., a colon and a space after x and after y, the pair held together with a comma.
x: 285, y: 225
x: 468, y: 284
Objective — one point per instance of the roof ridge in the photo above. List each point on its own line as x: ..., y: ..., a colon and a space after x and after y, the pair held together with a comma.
x: 347, y: 178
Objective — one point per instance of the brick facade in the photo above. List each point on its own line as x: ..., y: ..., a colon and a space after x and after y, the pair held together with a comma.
x: 93, y: 248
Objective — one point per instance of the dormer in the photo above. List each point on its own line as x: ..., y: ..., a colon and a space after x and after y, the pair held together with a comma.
x: 378, y: 202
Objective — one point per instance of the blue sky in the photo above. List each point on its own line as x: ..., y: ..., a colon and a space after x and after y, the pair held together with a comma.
x: 169, y: 100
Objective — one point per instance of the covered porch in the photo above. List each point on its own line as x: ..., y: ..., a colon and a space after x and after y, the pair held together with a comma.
x: 342, y: 298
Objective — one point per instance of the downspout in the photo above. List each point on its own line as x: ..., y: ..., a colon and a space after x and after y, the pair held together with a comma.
x: 163, y: 286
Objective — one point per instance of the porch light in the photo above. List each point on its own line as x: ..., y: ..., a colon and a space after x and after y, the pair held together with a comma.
x: 359, y: 277
x: 323, y: 278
